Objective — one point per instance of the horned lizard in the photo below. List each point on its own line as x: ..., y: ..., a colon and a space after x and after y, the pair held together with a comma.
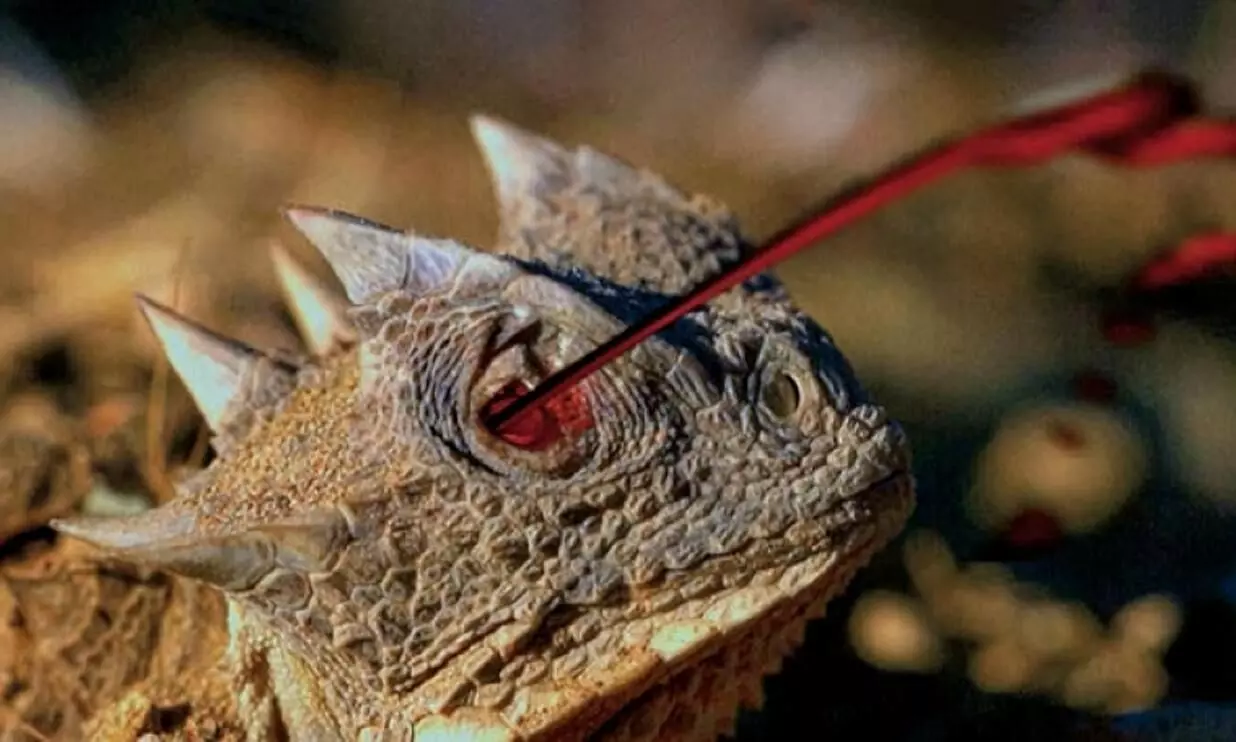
x: 394, y: 569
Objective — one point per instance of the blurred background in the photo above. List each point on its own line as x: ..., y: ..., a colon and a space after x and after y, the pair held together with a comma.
x: 1071, y: 568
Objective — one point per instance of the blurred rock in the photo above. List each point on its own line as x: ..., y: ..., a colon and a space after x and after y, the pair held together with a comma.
x: 1149, y: 624
x: 1001, y: 667
x: 47, y: 133
x: 1190, y: 379
x: 890, y: 631
x: 44, y: 467
x: 1078, y: 462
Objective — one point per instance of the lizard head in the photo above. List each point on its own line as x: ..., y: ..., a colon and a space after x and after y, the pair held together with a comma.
x: 727, y: 470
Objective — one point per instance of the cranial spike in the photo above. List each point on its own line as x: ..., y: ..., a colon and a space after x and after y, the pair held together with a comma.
x: 130, y: 532
x: 525, y: 166
x: 597, y: 166
x: 215, y: 369
x: 519, y: 162
x: 611, y: 174
x: 169, y: 537
x: 307, y: 542
x: 166, y: 538
x: 320, y: 314
x: 371, y: 259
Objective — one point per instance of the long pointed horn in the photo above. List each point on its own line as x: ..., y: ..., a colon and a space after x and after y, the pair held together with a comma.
x: 371, y: 259
x: 320, y: 314
x: 520, y: 163
x: 215, y: 369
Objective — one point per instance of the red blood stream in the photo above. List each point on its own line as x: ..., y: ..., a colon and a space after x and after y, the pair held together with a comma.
x: 1146, y: 123
x: 1191, y: 259
x: 1033, y: 529
x: 540, y: 427
x: 535, y: 430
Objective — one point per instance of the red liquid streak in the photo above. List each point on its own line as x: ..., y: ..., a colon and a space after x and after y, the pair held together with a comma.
x: 1191, y: 259
x: 1127, y: 330
x: 1033, y: 529
x: 542, y: 426
x: 1147, y: 123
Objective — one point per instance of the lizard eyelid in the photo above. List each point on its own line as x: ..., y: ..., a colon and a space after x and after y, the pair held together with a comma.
x: 549, y: 440
x: 516, y: 328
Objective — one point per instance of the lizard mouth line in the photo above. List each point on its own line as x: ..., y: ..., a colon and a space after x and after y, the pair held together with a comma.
x: 885, y: 506
x: 899, y: 485
x: 895, y: 478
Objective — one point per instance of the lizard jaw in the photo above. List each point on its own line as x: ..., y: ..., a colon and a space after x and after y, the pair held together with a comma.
x: 640, y: 689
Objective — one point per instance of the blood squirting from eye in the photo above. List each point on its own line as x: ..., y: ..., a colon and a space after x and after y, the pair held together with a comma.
x: 543, y: 426
x: 1153, y: 121
x: 1193, y: 258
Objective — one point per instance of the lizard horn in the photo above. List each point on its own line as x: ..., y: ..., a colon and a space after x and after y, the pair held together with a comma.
x: 321, y: 316
x: 165, y: 538
x: 170, y: 537
x: 519, y: 162
x: 525, y: 168
x: 130, y: 532
x: 371, y: 259
x: 215, y: 369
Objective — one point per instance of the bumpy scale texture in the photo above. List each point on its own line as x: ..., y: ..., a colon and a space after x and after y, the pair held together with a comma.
x: 395, y: 570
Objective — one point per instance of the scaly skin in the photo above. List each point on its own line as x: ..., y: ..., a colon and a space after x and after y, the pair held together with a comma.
x: 394, y: 570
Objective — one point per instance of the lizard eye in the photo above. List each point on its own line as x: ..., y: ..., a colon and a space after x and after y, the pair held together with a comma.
x: 535, y: 431
x: 780, y: 395
x: 551, y: 439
